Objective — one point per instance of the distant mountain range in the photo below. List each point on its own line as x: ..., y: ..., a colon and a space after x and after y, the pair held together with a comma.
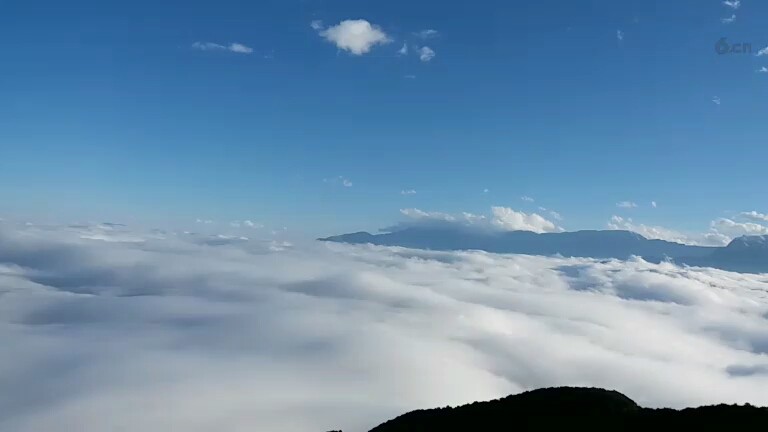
x: 572, y: 408
x: 744, y: 254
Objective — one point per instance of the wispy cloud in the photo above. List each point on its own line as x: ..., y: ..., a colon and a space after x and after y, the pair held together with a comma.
x: 428, y: 33
x: 762, y: 52
x: 408, y: 192
x: 339, y: 180
x: 233, y: 47
x: 716, y: 100
x: 733, y: 4
x: 527, y: 198
x: 316, y: 25
x: 755, y: 216
x: 728, y: 20
x: 626, y: 204
x: 653, y: 204
x: 356, y: 36
x: 404, y: 50
x: 240, y: 48
x: 619, y: 35
x: 246, y: 224
x: 426, y: 54
x: 763, y: 70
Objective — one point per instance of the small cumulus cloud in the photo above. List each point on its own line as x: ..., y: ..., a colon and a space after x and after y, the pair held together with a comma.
x: 619, y: 35
x: 716, y: 100
x: 763, y: 70
x: 733, y: 4
x: 762, y: 52
x: 404, y: 50
x: 316, y: 25
x: 355, y: 36
x: 653, y: 204
x: 527, y: 198
x: 426, y: 54
x: 408, y: 192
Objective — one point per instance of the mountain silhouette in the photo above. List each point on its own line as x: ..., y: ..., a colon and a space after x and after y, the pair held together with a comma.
x: 744, y: 254
x: 573, y: 408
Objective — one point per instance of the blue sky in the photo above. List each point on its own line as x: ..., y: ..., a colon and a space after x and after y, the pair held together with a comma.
x: 113, y: 111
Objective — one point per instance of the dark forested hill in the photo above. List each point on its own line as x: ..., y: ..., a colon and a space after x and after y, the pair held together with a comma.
x: 569, y: 408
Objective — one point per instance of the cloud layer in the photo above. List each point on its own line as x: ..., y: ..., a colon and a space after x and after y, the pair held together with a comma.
x: 156, y: 331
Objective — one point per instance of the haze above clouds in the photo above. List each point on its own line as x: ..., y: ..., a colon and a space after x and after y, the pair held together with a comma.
x: 115, y: 328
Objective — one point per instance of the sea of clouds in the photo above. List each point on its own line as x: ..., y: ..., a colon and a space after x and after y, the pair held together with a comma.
x: 107, y: 328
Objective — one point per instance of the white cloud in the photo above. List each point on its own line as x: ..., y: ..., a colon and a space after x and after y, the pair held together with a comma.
x: 403, y: 50
x: 233, y: 47
x: 762, y: 52
x: 249, y: 336
x: 500, y: 219
x: 721, y: 231
x: 346, y: 183
x: 619, y: 35
x: 733, y: 4
x: 428, y: 34
x: 355, y: 36
x: 426, y: 54
x: 653, y: 204
x: 555, y: 215
x: 755, y: 216
x: 204, y: 221
x: 763, y: 70
x: 410, y: 76
x: 408, y: 192
x: 626, y: 204
x: 651, y: 232
x: 510, y: 220
x: 527, y: 198
x: 734, y: 229
x: 729, y: 19
x: 716, y: 100
x: 485, y: 191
